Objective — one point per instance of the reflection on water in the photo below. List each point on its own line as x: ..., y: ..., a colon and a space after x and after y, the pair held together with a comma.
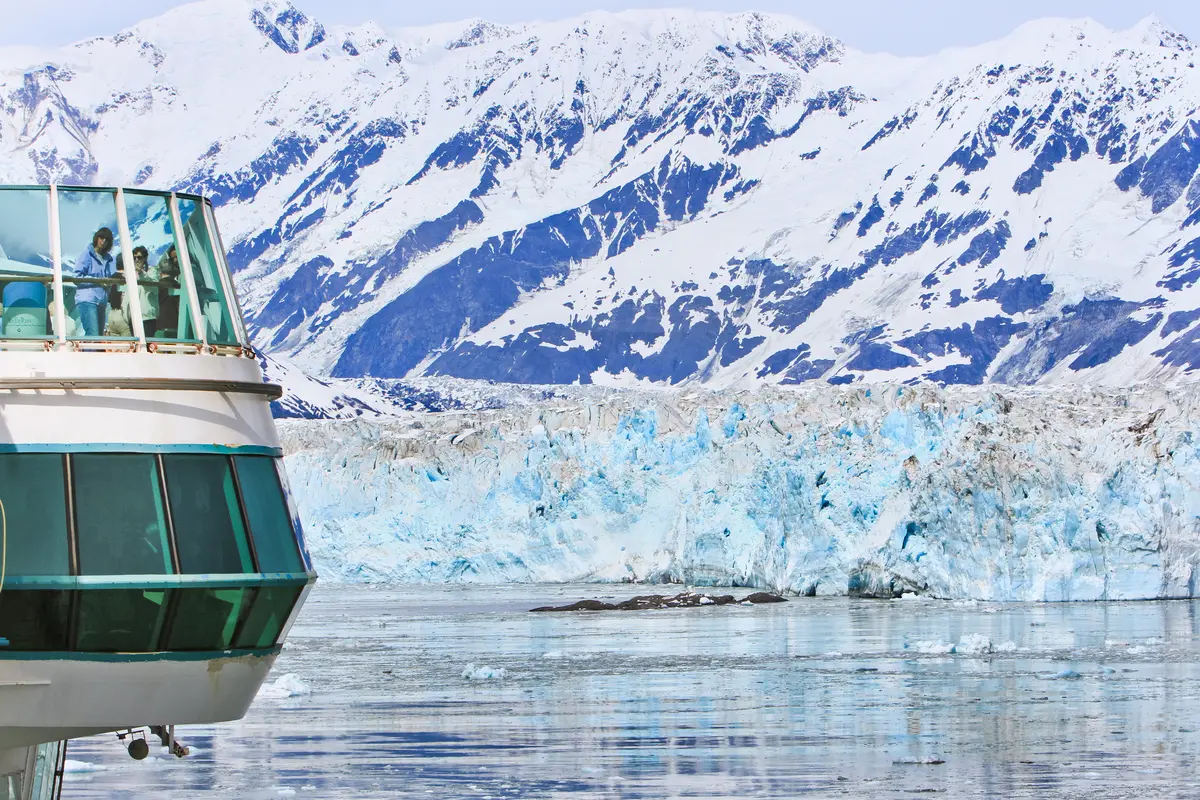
x: 824, y: 697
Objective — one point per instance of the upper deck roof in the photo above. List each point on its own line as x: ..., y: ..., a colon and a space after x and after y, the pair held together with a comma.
x: 113, y: 257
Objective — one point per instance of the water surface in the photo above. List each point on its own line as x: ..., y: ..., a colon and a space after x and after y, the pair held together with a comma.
x: 816, y: 697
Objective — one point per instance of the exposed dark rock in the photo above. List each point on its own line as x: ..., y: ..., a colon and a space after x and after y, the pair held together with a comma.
x: 652, y: 601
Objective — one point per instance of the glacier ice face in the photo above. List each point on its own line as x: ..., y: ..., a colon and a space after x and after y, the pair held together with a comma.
x: 1071, y: 494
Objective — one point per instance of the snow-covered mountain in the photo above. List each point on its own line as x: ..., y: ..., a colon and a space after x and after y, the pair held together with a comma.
x: 657, y: 196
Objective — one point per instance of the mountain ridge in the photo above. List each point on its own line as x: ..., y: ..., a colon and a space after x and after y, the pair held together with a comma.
x: 672, y: 197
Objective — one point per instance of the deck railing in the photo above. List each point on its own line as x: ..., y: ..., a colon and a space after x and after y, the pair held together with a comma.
x: 88, y: 268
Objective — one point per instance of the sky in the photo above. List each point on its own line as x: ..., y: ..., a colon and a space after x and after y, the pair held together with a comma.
x: 904, y: 27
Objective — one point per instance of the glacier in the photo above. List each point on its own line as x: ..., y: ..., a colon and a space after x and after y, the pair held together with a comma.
x: 984, y: 493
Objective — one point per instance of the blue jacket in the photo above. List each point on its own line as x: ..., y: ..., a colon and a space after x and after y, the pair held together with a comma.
x: 91, y: 265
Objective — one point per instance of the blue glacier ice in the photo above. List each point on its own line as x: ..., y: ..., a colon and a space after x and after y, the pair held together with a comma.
x: 1023, y: 495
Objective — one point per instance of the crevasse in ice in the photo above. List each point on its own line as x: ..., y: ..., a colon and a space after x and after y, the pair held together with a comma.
x: 1062, y: 494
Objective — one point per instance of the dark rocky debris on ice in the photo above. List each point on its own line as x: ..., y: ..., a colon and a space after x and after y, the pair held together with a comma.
x: 651, y: 601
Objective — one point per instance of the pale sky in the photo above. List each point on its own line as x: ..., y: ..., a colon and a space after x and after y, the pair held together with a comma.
x: 905, y: 27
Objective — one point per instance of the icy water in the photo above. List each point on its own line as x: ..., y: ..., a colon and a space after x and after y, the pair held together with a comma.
x: 815, y: 697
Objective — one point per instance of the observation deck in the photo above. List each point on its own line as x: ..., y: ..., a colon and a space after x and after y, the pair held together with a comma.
x: 152, y: 556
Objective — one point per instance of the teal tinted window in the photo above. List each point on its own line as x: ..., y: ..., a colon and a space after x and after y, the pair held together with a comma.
x: 272, y: 605
x: 93, y: 284
x: 121, y: 620
x: 162, y: 293
x: 267, y: 512
x: 119, y: 515
x: 214, y: 306
x: 206, y: 619
x: 25, y: 265
x: 209, y: 533
x: 35, y: 620
x: 35, y: 508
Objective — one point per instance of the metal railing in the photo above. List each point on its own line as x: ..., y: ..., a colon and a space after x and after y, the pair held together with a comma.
x: 196, y: 300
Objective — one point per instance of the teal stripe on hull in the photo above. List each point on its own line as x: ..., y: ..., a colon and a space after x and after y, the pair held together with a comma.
x: 119, y: 447
x: 157, y: 581
x: 135, y: 658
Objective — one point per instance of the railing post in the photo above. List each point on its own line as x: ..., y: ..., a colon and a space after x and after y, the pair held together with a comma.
x: 60, y: 311
x: 133, y: 294
x: 185, y: 270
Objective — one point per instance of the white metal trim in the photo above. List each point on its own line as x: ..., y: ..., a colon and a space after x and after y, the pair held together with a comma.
x: 60, y: 312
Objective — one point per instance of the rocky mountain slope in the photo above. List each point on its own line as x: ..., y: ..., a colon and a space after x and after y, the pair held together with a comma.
x: 667, y: 197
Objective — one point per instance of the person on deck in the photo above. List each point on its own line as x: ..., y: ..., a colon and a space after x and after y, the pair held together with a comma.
x: 91, y: 299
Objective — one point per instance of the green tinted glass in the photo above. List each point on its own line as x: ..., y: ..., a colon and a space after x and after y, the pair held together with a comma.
x: 25, y: 266
x: 214, y: 306
x: 35, y: 509
x: 35, y: 620
x: 92, y: 259
x: 208, y: 524
x: 121, y: 620
x: 267, y: 512
x: 162, y: 293
x: 119, y: 515
x: 206, y: 619
x: 272, y: 605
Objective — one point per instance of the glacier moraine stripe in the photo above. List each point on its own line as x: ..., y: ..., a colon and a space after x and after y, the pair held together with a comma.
x: 130, y: 447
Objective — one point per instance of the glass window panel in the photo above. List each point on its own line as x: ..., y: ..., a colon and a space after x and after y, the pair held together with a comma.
x: 267, y: 512
x: 119, y: 515
x: 26, y: 270
x: 121, y: 620
x: 272, y: 605
x: 35, y: 619
x: 35, y: 510
x: 214, y: 306
x: 206, y: 619
x: 92, y: 259
x: 209, y: 532
x: 166, y: 314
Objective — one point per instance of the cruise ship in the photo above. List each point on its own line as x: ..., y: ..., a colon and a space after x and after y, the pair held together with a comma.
x: 151, y: 557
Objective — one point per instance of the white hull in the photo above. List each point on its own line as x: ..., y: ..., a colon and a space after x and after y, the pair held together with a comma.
x: 45, y: 701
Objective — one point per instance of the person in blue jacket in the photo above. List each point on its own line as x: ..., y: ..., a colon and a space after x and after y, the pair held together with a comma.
x: 91, y: 300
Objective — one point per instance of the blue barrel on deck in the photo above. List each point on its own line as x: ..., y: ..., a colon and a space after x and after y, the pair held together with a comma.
x: 24, y: 309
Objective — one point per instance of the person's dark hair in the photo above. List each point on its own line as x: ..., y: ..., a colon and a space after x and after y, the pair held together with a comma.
x: 104, y: 235
x: 114, y: 297
x: 120, y: 262
x: 141, y: 251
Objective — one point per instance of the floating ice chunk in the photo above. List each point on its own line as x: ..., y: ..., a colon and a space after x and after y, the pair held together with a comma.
x: 289, y: 685
x: 930, y: 760
x: 1115, y: 643
x: 933, y: 648
x: 1066, y: 675
x: 285, y: 791
x: 1136, y: 650
x: 554, y: 654
x: 80, y: 767
x: 1005, y: 647
x: 706, y: 601
x: 910, y: 596
x: 1154, y: 640
x: 485, y: 673
x: 973, y: 644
